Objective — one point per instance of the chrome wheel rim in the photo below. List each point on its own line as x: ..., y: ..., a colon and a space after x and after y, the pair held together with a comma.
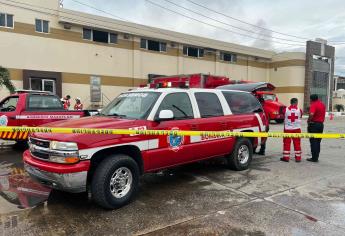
x: 121, y: 182
x: 243, y: 154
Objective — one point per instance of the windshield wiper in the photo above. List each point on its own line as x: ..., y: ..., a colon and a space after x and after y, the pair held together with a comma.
x: 117, y: 115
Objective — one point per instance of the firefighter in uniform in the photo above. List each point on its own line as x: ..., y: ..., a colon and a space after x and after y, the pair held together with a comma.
x: 78, y: 105
x: 292, y: 124
x: 316, y: 118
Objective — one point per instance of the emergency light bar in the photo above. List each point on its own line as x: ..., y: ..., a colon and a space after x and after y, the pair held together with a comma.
x: 173, y: 84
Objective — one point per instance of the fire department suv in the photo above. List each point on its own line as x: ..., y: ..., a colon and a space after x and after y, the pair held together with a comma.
x: 110, y: 165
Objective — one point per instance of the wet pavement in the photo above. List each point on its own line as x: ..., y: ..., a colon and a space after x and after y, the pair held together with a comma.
x: 271, y: 198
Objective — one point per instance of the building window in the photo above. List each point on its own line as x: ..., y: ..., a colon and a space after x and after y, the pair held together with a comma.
x: 6, y: 20
x: 153, y: 45
x: 228, y: 57
x: 99, y: 36
x: 42, y: 26
x: 193, y: 51
x: 87, y: 34
x: 112, y: 38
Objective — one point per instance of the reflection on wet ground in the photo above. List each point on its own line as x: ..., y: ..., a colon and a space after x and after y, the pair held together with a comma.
x: 16, y: 187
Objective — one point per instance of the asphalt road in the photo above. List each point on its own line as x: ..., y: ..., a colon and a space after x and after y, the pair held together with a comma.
x: 271, y: 198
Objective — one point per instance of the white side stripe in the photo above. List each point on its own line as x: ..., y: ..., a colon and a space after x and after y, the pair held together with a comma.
x: 142, y: 145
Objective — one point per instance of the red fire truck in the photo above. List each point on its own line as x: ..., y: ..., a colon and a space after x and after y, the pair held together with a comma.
x: 32, y: 108
x: 110, y: 165
x: 261, y: 90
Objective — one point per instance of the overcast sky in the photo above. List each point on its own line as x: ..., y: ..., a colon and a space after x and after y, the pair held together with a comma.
x: 306, y: 19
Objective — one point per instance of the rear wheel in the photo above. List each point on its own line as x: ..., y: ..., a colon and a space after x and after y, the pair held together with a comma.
x: 115, y: 181
x: 242, y: 155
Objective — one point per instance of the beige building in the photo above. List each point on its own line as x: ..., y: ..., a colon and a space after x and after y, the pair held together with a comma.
x: 51, y: 48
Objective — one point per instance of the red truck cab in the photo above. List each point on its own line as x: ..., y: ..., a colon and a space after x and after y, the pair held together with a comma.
x: 110, y: 165
x: 32, y: 108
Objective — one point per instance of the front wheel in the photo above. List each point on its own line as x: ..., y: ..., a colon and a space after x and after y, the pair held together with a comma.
x: 242, y: 155
x: 115, y: 181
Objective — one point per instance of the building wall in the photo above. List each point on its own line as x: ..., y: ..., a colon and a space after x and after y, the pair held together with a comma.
x: 124, y: 65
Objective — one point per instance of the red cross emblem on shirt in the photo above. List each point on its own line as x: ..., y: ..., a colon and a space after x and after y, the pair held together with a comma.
x: 292, y: 117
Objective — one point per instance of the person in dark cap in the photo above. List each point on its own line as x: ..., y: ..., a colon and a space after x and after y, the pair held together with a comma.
x: 316, y: 119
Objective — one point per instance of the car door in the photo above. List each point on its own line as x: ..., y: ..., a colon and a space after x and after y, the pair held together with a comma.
x: 172, y: 150
x: 211, y: 118
x: 8, y: 110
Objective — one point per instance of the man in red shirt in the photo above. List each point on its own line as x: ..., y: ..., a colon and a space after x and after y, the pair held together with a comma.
x: 316, y: 118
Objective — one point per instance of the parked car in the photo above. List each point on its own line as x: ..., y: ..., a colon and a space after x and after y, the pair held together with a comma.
x: 110, y: 165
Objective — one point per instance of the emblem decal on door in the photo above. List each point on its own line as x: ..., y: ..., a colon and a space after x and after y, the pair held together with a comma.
x: 3, y: 120
x: 175, y: 141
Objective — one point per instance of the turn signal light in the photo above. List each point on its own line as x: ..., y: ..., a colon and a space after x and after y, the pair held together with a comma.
x: 71, y: 160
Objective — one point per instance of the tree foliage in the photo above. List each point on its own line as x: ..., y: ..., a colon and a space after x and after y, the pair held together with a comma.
x: 5, y: 80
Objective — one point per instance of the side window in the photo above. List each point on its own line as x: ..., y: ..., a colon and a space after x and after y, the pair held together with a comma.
x: 40, y: 102
x: 242, y: 103
x: 179, y: 104
x: 209, y: 105
x: 9, y: 104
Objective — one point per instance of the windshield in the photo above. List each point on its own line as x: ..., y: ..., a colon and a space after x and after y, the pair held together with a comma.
x: 131, y: 105
x: 269, y: 97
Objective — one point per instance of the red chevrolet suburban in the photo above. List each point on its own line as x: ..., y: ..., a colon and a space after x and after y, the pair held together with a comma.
x: 110, y: 165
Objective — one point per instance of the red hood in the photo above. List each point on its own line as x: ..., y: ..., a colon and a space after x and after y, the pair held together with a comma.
x: 88, y: 140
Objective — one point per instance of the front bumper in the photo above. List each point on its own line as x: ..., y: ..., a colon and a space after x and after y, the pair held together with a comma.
x: 69, y: 178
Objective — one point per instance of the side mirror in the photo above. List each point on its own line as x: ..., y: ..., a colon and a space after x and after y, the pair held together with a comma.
x: 165, y: 115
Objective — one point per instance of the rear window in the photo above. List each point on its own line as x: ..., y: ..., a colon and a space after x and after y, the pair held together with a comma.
x: 40, y: 102
x: 242, y: 103
x: 209, y: 105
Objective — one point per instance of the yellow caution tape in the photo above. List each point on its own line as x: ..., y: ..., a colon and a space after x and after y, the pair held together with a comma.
x: 218, y: 134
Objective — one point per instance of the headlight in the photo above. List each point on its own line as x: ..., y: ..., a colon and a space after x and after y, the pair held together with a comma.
x: 63, y: 146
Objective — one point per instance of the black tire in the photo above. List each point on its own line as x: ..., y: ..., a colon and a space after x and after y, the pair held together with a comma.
x: 233, y: 160
x: 279, y: 121
x: 101, y: 186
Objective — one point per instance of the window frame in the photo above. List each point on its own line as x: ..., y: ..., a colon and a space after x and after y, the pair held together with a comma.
x: 233, y: 57
x: 234, y: 93
x: 156, y: 114
x: 6, y: 23
x: 42, y: 26
x: 147, y: 45
x: 225, y: 111
x: 185, y: 51
x: 28, y: 108
x: 116, y: 38
x: 11, y: 97
x: 91, y: 34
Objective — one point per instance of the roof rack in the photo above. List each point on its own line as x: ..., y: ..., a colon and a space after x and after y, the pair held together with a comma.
x: 33, y: 91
